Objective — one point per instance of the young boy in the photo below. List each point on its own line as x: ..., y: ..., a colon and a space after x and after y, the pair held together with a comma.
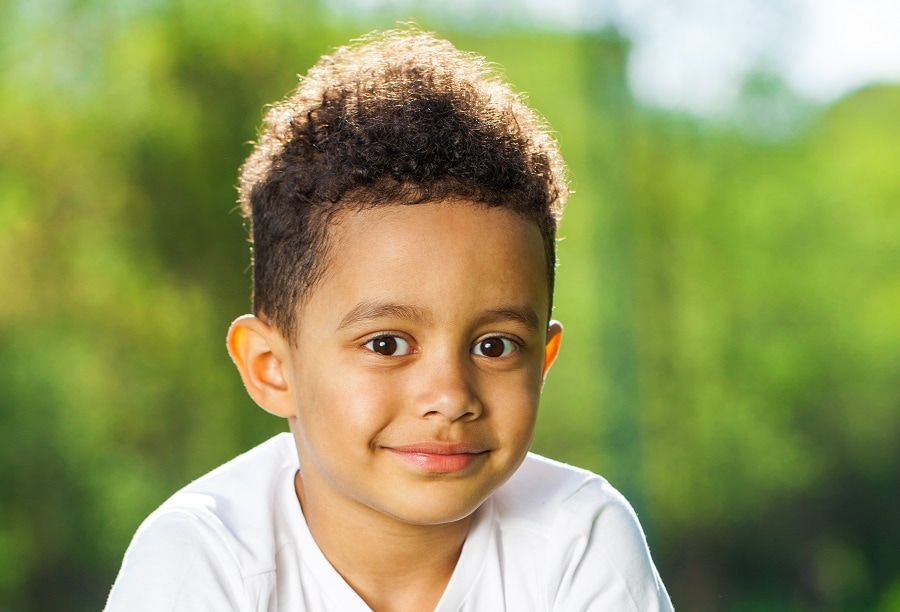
x: 403, y: 206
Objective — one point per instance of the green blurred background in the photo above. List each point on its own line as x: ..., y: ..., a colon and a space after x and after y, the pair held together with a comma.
x: 729, y: 285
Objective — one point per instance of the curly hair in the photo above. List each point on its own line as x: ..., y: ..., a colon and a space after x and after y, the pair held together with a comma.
x: 397, y: 118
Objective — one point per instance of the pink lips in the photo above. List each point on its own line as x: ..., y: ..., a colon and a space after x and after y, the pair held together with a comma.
x: 438, y: 458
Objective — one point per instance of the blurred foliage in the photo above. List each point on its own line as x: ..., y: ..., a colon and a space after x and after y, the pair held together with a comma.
x: 730, y: 291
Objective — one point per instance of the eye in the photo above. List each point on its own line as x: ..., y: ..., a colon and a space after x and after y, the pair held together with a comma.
x: 495, y: 346
x: 389, y: 346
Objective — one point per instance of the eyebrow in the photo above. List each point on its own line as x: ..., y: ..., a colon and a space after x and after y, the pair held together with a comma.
x: 521, y: 314
x: 367, y: 311
x: 371, y: 310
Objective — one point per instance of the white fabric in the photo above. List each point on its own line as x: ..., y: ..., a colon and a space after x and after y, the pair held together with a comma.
x: 553, y: 537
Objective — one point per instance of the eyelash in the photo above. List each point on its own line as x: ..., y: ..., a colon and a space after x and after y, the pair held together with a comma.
x: 516, y: 345
x: 395, y: 338
x: 512, y: 345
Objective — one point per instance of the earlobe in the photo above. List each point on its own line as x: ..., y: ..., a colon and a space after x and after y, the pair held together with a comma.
x: 258, y: 351
x: 551, y: 349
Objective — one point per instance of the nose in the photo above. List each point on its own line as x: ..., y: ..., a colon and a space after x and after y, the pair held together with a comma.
x: 449, y: 390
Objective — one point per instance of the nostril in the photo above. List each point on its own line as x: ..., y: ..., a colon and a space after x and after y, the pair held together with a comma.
x: 446, y: 388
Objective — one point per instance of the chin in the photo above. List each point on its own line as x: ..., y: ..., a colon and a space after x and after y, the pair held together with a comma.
x: 435, y: 510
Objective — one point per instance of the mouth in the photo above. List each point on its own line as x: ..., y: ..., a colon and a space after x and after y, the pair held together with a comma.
x: 438, y: 458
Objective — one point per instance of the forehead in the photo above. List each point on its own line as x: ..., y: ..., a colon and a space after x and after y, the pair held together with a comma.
x: 436, y: 253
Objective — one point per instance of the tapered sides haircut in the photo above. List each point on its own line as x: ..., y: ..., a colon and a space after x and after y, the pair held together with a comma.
x: 396, y: 118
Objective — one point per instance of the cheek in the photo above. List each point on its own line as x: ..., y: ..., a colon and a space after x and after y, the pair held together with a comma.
x: 348, y: 408
x: 513, y: 406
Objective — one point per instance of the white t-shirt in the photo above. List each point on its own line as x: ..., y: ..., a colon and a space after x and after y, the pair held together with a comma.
x: 553, y: 537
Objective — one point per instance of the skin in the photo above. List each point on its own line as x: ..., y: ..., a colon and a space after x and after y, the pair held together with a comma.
x: 412, y: 387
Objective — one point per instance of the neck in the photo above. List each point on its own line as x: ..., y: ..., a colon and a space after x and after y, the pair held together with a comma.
x: 392, y: 565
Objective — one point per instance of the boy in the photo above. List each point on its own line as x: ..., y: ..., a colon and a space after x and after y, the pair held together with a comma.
x: 403, y: 206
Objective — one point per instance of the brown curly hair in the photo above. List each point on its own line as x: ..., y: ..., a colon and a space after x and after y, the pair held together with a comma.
x: 396, y: 118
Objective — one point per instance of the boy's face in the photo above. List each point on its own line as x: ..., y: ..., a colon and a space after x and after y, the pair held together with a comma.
x: 419, y: 360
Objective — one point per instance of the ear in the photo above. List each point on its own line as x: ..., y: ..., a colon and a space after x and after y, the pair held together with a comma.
x: 551, y: 349
x: 259, y: 351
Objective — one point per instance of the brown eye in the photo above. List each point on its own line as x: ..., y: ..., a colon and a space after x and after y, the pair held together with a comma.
x: 384, y: 346
x: 389, y: 346
x: 494, y: 346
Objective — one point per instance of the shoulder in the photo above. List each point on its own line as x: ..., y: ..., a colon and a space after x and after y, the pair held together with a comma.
x: 237, y: 501
x: 217, y: 531
x: 542, y: 488
x: 551, y: 498
x: 584, y: 533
